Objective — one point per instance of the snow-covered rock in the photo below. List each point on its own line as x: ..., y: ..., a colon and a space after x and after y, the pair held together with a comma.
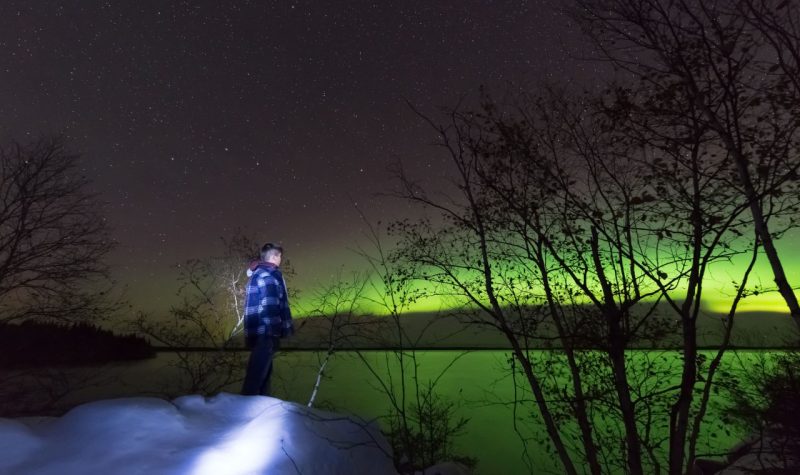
x: 226, y: 434
x: 761, y: 454
x: 446, y: 468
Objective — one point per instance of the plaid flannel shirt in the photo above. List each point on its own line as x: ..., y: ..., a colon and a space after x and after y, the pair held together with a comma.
x: 266, y: 304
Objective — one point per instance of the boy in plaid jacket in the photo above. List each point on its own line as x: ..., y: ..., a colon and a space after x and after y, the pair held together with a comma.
x: 267, y: 318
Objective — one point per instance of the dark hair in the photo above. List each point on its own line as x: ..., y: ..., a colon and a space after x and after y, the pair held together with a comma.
x: 270, y: 249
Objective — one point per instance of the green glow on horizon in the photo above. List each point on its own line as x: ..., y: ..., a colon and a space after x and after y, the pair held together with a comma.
x: 155, y: 292
x: 718, y: 290
x: 718, y: 297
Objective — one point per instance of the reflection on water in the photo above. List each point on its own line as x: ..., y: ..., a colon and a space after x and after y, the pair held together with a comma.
x: 480, y: 381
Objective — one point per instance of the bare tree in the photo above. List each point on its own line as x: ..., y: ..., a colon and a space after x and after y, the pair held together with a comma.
x: 578, y: 226
x: 465, y: 255
x: 201, y: 330
x: 777, y: 22
x: 421, y: 424
x: 736, y: 63
x: 690, y: 169
x: 338, y: 306
x: 53, y: 237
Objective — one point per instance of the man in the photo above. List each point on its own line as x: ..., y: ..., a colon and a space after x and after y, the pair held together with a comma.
x: 267, y: 318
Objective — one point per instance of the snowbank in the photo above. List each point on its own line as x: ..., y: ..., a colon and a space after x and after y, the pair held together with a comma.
x: 226, y: 434
x: 761, y: 454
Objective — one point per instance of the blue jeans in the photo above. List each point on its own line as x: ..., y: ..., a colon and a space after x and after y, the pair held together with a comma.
x: 259, y: 367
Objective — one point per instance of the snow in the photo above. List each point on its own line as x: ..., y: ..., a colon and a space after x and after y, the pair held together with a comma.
x: 761, y: 453
x: 225, y: 434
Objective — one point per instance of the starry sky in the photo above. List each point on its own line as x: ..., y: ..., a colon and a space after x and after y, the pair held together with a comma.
x: 197, y: 118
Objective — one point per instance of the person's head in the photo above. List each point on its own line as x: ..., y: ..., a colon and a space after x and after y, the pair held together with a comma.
x: 272, y: 253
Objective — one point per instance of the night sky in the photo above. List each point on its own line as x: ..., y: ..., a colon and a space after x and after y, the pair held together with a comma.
x: 195, y: 118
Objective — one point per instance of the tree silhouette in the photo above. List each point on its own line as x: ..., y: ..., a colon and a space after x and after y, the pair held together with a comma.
x: 736, y: 65
x: 207, y: 317
x: 53, y: 237
x: 571, y: 225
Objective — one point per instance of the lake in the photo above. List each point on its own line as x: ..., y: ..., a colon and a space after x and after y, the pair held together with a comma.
x: 479, y: 381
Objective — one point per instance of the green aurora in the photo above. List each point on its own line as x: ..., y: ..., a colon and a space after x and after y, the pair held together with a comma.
x: 311, y: 272
x: 719, y: 286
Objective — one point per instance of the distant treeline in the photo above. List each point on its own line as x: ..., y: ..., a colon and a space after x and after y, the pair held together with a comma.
x: 55, y: 344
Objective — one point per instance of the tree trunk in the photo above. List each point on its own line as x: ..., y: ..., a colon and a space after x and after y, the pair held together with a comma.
x: 581, y: 413
x: 541, y: 401
x: 679, y: 416
x: 550, y: 425
x: 617, y: 354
